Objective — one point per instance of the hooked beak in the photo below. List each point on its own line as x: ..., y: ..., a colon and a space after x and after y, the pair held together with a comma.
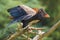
x: 47, y: 16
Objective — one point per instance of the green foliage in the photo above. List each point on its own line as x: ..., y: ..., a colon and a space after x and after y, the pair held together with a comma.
x: 52, y: 7
x: 56, y: 35
x: 5, y: 31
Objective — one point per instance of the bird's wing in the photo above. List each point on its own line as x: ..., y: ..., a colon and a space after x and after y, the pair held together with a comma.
x: 27, y: 17
x: 29, y: 10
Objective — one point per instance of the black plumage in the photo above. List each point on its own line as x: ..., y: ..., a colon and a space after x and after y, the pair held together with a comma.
x: 39, y: 16
x: 20, y: 14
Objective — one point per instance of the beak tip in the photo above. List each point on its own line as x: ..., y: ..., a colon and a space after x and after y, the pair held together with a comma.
x: 47, y: 16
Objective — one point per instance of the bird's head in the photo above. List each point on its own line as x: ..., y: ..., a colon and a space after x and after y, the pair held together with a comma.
x: 43, y: 16
x: 42, y: 13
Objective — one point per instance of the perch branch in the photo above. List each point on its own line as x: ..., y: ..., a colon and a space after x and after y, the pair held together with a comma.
x: 26, y: 37
x: 53, y: 28
x: 33, y: 28
x: 18, y: 33
x: 38, y: 35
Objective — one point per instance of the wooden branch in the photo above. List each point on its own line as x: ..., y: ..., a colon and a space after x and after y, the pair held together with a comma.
x: 33, y: 28
x: 53, y: 28
x: 38, y: 35
x: 18, y: 33
x: 33, y: 22
x: 26, y: 37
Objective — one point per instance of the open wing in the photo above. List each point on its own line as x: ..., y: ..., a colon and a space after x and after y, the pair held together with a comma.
x: 29, y: 10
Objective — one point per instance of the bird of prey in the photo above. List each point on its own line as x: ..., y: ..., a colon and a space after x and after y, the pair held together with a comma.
x: 26, y: 14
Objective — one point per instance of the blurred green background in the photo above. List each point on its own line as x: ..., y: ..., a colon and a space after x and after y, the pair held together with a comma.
x: 52, y: 7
